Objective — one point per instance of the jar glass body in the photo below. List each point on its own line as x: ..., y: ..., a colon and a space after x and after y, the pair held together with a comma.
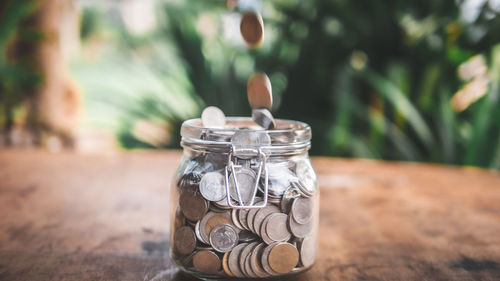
x: 244, y: 215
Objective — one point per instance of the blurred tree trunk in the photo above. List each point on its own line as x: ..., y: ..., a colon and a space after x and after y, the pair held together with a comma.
x: 53, y: 109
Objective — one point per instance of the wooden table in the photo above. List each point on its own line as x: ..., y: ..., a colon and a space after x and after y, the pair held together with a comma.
x: 105, y: 217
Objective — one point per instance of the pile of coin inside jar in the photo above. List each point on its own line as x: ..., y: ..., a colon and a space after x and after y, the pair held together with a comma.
x: 246, y: 219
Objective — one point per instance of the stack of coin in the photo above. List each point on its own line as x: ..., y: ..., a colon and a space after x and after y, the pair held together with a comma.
x: 211, y: 238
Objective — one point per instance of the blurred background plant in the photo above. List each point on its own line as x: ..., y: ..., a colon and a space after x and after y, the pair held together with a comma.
x: 400, y: 80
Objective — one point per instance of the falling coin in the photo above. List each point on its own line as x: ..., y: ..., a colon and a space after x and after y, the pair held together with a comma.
x: 223, y: 238
x: 207, y: 262
x: 259, y: 91
x: 302, y: 210
x: 212, y: 186
x: 283, y: 257
x: 252, y: 29
x: 193, y: 206
x: 213, y: 117
x: 184, y: 240
x: 308, y: 251
x: 264, y: 118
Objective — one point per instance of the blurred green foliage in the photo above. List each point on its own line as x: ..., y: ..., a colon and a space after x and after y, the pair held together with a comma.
x: 18, y: 75
x: 373, y: 79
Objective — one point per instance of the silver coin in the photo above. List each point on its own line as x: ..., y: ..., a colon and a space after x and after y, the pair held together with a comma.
x: 203, y: 225
x: 244, y: 253
x: 248, y: 266
x: 265, y: 259
x: 243, y: 140
x: 213, y: 117
x: 276, y: 227
x: 247, y: 236
x: 261, y: 215
x: 264, y: 118
x: 302, y: 209
x: 306, y: 175
x: 308, y: 251
x: 287, y: 199
x: 302, y: 189
x: 263, y: 233
x: 246, y: 182
x: 223, y: 238
x: 234, y: 260
x: 299, y: 230
x: 255, y: 261
x: 197, y: 232
x: 212, y: 186
x: 234, y: 219
x: 279, y: 179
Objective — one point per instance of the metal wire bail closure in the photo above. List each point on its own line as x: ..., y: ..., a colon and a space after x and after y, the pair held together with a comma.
x: 230, y: 165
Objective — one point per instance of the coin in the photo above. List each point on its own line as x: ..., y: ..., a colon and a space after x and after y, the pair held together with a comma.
x: 264, y: 259
x: 302, y: 210
x: 234, y: 219
x: 283, y: 257
x: 244, y: 140
x: 233, y: 260
x: 215, y: 221
x: 264, y: 118
x: 223, y: 238
x: 205, y: 230
x: 287, y: 199
x: 179, y: 219
x: 246, y: 182
x: 299, y: 230
x: 252, y: 29
x: 244, y: 253
x: 212, y: 186
x: 306, y: 175
x: 261, y: 215
x: 276, y: 228
x: 255, y: 261
x: 197, y: 232
x: 193, y: 206
x: 263, y: 233
x: 213, y: 117
x: 308, y: 251
x: 259, y: 91
x: 206, y: 262
x: 184, y: 240
x: 247, y: 236
x: 225, y: 265
x: 248, y: 266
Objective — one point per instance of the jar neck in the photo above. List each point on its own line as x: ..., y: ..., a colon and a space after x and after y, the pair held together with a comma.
x: 226, y: 147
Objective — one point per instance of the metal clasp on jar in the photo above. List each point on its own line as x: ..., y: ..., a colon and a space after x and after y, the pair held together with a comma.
x: 246, y: 153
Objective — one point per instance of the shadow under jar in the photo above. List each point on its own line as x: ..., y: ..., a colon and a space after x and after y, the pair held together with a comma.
x: 245, y: 201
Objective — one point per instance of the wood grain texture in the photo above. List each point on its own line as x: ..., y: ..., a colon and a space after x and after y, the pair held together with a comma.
x: 105, y: 217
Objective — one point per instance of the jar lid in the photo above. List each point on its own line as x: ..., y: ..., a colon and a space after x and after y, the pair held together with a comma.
x: 289, y: 137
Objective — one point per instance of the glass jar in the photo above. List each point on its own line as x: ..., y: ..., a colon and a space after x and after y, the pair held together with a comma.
x: 245, y: 201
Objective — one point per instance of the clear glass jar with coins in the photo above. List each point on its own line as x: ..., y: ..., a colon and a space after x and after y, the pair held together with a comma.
x: 245, y: 200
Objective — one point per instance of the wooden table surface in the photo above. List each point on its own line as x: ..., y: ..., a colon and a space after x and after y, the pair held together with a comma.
x: 105, y: 217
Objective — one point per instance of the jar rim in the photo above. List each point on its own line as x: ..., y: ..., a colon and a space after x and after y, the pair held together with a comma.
x: 289, y: 135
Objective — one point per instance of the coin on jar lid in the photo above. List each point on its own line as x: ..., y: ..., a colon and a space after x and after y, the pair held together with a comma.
x: 193, y: 205
x: 264, y: 118
x: 213, y: 117
x: 259, y: 91
x: 224, y: 238
x: 252, y: 29
x: 206, y: 262
x: 234, y: 259
x: 299, y: 230
x: 283, y: 257
x: 184, y: 240
x: 276, y: 227
x: 212, y: 186
x: 308, y: 251
x: 302, y: 209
